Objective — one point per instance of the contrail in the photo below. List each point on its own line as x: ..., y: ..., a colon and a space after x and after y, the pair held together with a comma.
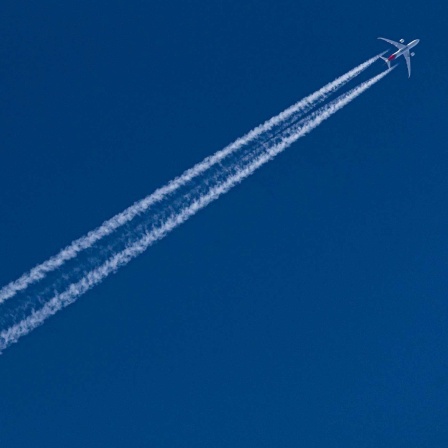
x: 295, y: 111
x: 97, y: 275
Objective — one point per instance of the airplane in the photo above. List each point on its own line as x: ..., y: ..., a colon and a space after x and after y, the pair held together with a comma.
x: 402, y: 50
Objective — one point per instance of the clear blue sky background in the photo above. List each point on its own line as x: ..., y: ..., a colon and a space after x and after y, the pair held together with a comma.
x: 308, y: 307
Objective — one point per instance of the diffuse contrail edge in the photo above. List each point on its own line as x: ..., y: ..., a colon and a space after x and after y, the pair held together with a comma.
x: 96, y: 276
x: 40, y: 271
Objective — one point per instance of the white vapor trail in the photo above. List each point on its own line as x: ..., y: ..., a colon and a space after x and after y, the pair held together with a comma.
x: 97, y: 275
x: 71, y: 251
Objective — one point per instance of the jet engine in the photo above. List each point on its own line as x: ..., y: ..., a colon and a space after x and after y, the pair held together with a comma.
x: 401, y: 40
x: 412, y: 54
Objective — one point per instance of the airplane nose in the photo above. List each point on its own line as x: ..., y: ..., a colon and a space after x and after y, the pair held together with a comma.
x: 417, y: 41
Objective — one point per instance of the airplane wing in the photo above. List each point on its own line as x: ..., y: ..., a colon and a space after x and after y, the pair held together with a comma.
x: 407, y: 56
x: 397, y: 44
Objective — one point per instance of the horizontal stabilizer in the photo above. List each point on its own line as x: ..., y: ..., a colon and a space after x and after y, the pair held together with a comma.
x: 386, y: 61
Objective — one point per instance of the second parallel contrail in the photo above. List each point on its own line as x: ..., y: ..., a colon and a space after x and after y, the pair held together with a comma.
x: 273, y: 147
x: 263, y: 131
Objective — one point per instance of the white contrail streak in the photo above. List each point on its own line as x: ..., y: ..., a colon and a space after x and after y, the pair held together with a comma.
x: 301, y: 107
x: 97, y: 275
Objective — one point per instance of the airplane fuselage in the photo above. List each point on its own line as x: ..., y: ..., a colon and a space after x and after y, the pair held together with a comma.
x: 403, y: 50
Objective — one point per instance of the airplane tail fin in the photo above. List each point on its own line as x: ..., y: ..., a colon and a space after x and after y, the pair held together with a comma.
x: 386, y: 61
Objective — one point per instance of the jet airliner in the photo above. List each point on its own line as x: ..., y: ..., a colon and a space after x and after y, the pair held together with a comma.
x: 403, y: 50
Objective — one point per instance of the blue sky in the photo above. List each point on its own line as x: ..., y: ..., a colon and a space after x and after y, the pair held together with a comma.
x: 308, y: 306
